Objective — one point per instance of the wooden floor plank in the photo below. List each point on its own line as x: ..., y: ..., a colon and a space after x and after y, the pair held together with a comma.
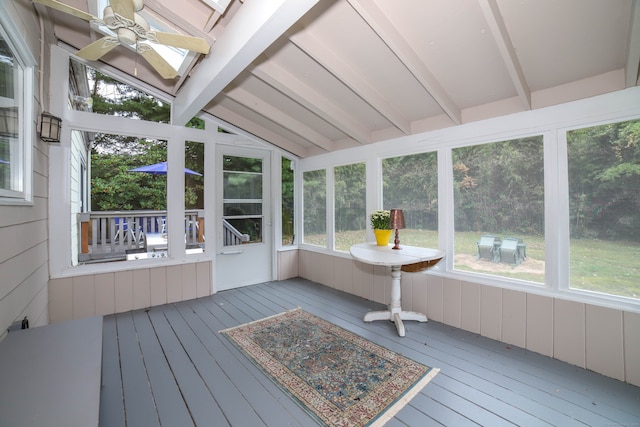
x: 169, y: 402
x: 438, y: 412
x: 482, y: 381
x: 111, y: 400
x: 238, y: 411
x: 209, y: 312
x: 200, y: 403
x: 140, y: 408
x: 266, y: 404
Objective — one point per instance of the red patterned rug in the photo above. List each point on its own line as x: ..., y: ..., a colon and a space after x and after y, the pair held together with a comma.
x: 340, y: 378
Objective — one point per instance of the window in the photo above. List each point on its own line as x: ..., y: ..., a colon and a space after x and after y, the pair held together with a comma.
x: 499, y: 209
x: 15, y: 123
x: 194, y: 197
x: 91, y: 90
x: 314, y: 187
x: 350, y: 205
x: 288, y: 207
x: 604, y: 208
x: 128, y: 193
x: 410, y: 183
x: 242, y: 198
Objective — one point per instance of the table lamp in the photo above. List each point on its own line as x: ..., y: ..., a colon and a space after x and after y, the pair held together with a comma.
x: 396, y: 222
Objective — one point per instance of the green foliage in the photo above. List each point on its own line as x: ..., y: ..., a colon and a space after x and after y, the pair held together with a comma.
x: 500, y: 186
x: 410, y: 183
x: 315, y: 197
x: 113, y: 187
x: 194, y: 185
x: 604, y: 181
x: 379, y: 219
x: 112, y: 155
x: 350, y: 197
x: 288, y: 208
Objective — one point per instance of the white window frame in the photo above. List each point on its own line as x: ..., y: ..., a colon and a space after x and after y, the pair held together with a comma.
x: 552, y: 123
x: 25, y: 91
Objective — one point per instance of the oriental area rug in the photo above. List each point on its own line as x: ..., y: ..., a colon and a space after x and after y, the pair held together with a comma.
x: 339, y: 378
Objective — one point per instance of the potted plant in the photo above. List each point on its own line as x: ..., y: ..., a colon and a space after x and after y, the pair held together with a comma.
x: 380, y: 224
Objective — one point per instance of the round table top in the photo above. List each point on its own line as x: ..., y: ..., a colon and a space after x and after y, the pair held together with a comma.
x: 371, y: 253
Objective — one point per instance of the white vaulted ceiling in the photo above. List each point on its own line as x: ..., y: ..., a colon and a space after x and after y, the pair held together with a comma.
x: 315, y: 76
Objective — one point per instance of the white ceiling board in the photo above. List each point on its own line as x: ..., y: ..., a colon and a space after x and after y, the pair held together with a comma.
x: 291, y: 58
x: 315, y: 76
x: 562, y: 41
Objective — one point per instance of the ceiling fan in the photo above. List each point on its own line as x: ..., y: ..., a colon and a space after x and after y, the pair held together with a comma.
x: 130, y: 29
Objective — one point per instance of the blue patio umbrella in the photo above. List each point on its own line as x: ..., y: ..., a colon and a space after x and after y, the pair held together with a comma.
x: 160, y: 169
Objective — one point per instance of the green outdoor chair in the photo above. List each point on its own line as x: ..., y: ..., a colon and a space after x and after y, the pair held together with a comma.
x: 512, y: 250
x: 488, y: 247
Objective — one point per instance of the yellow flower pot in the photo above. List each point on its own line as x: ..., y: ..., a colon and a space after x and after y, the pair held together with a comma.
x: 382, y: 237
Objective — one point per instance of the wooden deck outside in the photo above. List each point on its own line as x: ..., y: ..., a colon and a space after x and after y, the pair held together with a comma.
x: 169, y: 366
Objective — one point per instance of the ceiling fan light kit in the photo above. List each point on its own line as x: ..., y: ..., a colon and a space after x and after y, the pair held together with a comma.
x: 130, y: 29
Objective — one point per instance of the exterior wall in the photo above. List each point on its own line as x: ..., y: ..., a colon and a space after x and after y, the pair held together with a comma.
x: 120, y: 291
x: 600, y: 339
x: 24, y: 270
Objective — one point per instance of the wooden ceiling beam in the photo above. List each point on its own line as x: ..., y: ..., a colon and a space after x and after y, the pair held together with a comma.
x: 163, y: 13
x: 353, y: 79
x: 505, y: 46
x: 253, y: 128
x: 289, y: 85
x: 253, y: 29
x: 268, y: 111
x: 390, y: 36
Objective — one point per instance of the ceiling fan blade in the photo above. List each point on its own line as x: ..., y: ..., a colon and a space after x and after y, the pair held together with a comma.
x: 195, y: 44
x: 123, y: 8
x: 67, y: 9
x: 161, y: 66
x: 95, y: 50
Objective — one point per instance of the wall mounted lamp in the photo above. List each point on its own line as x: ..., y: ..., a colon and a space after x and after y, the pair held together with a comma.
x: 50, y: 127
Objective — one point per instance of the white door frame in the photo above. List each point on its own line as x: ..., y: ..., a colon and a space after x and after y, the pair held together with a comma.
x: 250, y: 263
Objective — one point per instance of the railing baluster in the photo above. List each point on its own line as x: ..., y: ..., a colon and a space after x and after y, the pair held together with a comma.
x: 108, y: 235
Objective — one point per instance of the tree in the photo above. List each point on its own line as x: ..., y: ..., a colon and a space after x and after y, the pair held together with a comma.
x: 410, y: 183
x: 499, y: 187
x: 604, y: 181
x: 113, y: 187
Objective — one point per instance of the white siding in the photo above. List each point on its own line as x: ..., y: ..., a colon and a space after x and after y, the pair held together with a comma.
x: 24, y: 268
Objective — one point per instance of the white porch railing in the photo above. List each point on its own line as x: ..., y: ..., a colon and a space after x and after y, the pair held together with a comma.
x: 232, y: 236
x: 111, y: 235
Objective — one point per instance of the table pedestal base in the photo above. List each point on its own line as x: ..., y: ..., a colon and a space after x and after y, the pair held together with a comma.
x: 396, y: 318
x: 395, y: 312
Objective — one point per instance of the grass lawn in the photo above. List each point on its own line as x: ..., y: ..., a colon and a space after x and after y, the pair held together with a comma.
x: 595, y: 265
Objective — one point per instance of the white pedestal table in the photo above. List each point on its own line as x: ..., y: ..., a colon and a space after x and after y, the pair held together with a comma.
x: 409, y: 259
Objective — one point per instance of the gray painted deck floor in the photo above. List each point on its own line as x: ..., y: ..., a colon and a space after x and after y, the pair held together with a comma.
x: 169, y: 366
